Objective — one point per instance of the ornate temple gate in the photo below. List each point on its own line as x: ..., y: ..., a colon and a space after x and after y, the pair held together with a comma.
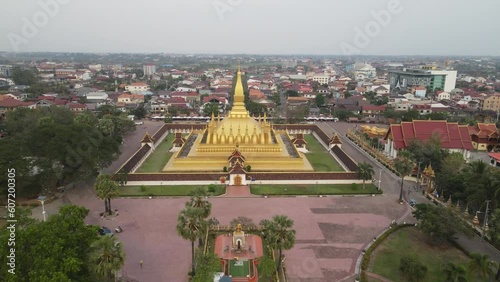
x: 237, y: 180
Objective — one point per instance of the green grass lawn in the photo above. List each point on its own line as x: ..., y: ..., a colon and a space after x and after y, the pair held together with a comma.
x: 159, y: 158
x: 312, y: 189
x: 167, y: 190
x: 238, y: 271
x: 410, y: 241
x: 319, y: 158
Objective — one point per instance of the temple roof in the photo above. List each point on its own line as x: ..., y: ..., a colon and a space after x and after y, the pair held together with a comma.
x: 237, y: 169
x: 236, y: 154
x: 299, y: 139
x: 335, y: 139
x: 147, y: 138
x: 452, y: 135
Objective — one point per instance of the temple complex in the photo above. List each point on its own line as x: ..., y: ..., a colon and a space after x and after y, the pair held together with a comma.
x: 260, y: 146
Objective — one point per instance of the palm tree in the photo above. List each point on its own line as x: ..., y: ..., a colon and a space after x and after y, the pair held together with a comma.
x: 482, y: 265
x: 197, y: 201
x: 404, y: 167
x: 279, y: 235
x: 106, y: 256
x: 190, y: 226
x: 365, y: 172
x: 455, y: 273
x: 106, y: 189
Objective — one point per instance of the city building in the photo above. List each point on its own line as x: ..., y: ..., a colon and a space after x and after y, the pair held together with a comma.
x: 450, y: 80
x: 6, y: 70
x: 408, y: 78
x: 490, y: 103
x: 364, y: 71
x: 484, y: 136
x: 137, y: 87
x: 321, y: 79
x: 149, y: 69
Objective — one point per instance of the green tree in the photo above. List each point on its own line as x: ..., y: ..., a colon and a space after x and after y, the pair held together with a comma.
x: 450, y: 178
x: 279, y: 235
x: 197, y: 200
x: 106, y: 189
x: 106, y: 257
x: 455, y: 273
x: 365, y: 172
x: 23, y: 76
x: 404, y: 167
x: 139, y: 112
x: 440, y: 223
x: 494, y: 228
x: 54, y: 250
x: 267, y: 267
x: 320, y: 100
x: 412, y: 268
x: 482, y: 265
x: 206, y: 267
x: 291, y: 93
x: 190, y: 226
x: 210, y: 109
x: 342, y: 114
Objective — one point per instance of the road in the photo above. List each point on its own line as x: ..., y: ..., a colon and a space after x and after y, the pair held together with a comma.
x: 391, y: 186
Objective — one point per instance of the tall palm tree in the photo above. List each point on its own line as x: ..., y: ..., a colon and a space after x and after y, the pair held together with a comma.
x: 106, y: 256
x: 106, y: 189
x: 404, y: 166
x: 279, y: 235
x: 198, y: 201
x: 482, y: 265
x: 190, y: 226
x: 365, y: 172
x: 455, y: 273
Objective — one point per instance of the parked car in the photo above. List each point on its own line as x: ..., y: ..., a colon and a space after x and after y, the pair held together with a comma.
x: 139, y: 123
x: 105, y: 231
x: 413, y: 202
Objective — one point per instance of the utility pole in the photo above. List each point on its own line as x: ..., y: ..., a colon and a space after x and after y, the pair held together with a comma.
x: 485, y: 224
x: 379, y: 179
x: 418, y: 176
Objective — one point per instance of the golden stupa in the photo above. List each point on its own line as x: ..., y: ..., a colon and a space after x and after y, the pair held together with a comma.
x: 264, y: 148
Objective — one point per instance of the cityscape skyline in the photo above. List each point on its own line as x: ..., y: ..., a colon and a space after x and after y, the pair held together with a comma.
x: 376, y: 28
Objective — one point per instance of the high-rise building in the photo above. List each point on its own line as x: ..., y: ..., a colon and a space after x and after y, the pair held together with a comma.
x: 6, y: 70
x: 149, y: 69
x: 433, y: 79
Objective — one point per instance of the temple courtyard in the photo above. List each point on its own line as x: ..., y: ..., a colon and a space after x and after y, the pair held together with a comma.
x: 331, y: 231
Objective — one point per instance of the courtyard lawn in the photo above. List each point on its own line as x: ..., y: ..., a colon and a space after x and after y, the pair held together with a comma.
x: 312, y: 189
x: 238, y: 271
x: 167, y: 190
x: 318, y: 156
x: 410, y: 241
x: 159, y: 158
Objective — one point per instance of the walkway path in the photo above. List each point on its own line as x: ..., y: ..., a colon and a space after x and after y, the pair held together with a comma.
x: 238, y: 192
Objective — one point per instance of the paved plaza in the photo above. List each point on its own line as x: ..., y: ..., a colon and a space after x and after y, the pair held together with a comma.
x: 331, y: 231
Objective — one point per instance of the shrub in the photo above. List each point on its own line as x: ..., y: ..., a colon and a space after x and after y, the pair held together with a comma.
x: 412, y: 268
x: 354, y: 186
x: 34, y: 205
x: 143, y: 188
x: 211, y: 188
x: 224, y: 169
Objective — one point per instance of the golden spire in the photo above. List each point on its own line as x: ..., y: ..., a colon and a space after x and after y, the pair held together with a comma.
x: 239, y: 110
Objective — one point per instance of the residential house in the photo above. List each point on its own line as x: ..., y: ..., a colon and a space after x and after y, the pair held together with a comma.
x: 137, y: 87
x: 420, y: 91
x: 372, y: 111
x: 185, y: 89
x: 443, y: 96
x: 77, y: 107
x: 10, y: 104
x: 99, y: 97
x: 255, y: 94
x: 131, y: 98
x: 453, y: 137
x: 490, y: 103
x: 484, y: 136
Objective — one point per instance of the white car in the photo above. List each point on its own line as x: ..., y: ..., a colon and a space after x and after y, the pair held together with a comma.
x: 139, y: 123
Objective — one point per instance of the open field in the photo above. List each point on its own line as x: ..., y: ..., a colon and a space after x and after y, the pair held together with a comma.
x: 312, y: 189
x: 166, y: 190
x: 238, y: 271
x: 319, y: 158
x: 159, y: 158
x: 410, y: 241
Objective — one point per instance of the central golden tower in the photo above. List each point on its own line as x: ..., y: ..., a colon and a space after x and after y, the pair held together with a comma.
x: 263, y: 148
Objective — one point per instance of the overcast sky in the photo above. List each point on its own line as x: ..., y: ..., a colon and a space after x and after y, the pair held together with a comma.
x: 416, y: 27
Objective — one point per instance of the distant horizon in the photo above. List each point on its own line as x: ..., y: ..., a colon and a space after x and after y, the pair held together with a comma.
x: 258, y: 27
x: 243, y: 54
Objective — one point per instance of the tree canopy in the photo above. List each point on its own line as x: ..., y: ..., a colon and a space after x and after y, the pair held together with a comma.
x: 51, y: 146
x: 54, y: 250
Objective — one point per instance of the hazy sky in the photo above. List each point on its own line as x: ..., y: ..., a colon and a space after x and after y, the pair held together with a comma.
x: 415, y: 27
